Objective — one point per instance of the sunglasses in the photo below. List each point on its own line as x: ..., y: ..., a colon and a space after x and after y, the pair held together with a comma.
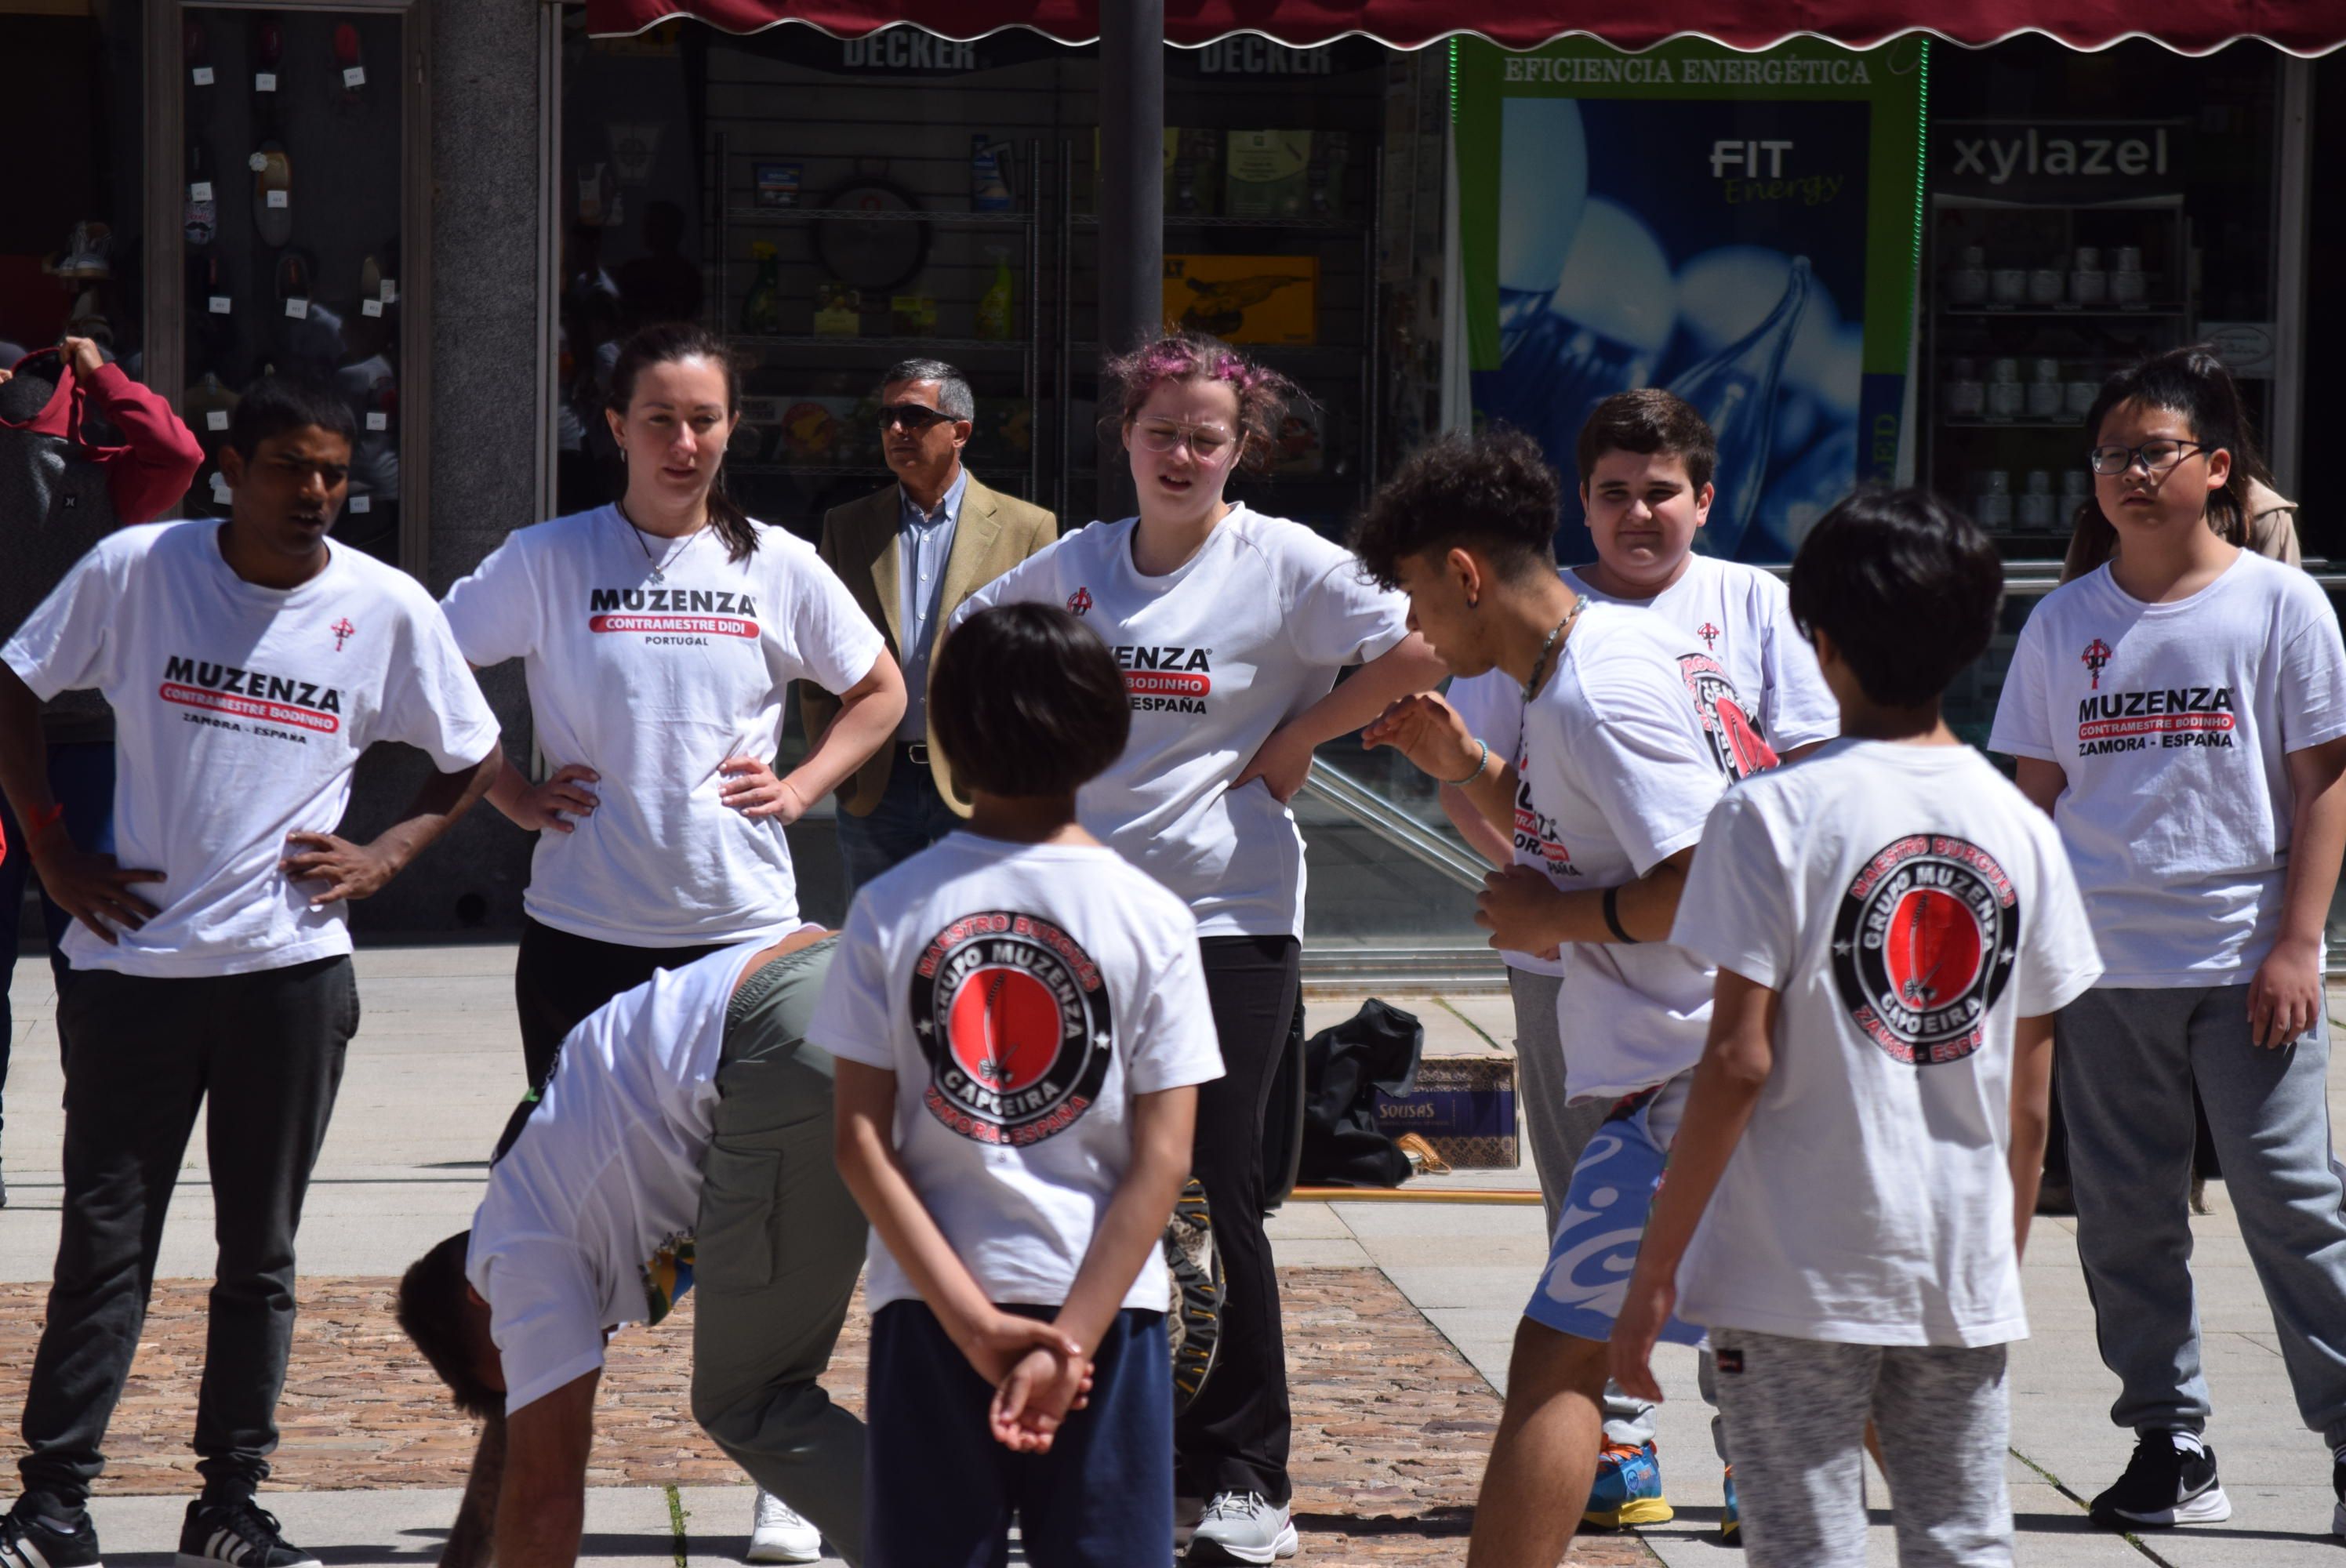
x: 913, y: 416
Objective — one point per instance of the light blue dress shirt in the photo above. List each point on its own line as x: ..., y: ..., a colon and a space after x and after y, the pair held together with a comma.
x: 924, y: 542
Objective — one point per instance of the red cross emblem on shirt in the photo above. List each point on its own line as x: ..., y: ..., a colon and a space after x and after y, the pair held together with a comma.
x: 2096, y: 655
x: 1079, y: 601
x: 1709, y: 634
x: 342, y: 631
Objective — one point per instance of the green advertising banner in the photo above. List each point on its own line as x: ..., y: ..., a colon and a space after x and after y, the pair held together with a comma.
x: 1741, y: 228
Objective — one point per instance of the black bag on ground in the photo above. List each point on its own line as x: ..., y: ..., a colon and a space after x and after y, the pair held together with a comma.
x: 1343, y: 1145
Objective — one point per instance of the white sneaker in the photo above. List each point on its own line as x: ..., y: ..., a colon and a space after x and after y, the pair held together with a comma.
x: 1240, y: 1527
x: 778, y: 1533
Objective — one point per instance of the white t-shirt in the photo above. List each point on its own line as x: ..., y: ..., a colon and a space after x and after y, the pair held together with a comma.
x: 1625, y: 750
x: 653, y: 683
x: 1908, y: 905
x: 2173, y: 724
x: 1021, y: 994
x: 587, y: 1221
x: 1742, y: 616
x: 240, y: 712
x: 1217, y: 653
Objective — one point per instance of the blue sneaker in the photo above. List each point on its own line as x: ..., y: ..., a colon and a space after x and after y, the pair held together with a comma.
x: 1629, y: 1488
x: 1730, y: 1517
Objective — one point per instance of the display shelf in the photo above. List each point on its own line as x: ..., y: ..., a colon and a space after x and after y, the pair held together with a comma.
x: 784, y: 216
x: 1224, y: 220
x: 2066, y: 421
x: 874, y: 341
x: 2066, y: 312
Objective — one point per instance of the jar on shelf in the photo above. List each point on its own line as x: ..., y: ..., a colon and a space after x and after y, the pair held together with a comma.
x: 2035, y: 510
x: 2129, y: 287
x: 2077, y: 399
x: 1963, y: 394
x: 2088, y: 284
x: 2008, y: 285
x: 2006, y: 397
x: 2046, y: 285
x: 2045, y: 390
x: 1967, y: 281
x: 1992, y: 506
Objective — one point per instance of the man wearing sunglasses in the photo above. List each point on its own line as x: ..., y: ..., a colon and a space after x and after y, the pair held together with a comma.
x: 911, y: 553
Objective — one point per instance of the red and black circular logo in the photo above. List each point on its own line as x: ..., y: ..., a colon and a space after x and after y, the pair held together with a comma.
x: 1013, y: 1018
x: 1736, y: 743
x: 1924, y: 946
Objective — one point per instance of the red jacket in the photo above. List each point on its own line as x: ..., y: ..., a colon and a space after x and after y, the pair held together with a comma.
x: 159, y: 454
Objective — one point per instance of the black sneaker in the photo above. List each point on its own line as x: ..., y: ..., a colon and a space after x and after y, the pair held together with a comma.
x: 2164, y: 1484
x: 29, y: 1541
x: 2338, y: 1485
x: 239, y: 1534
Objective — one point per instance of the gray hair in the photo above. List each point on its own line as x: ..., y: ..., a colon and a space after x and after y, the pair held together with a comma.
x: 953, y: 387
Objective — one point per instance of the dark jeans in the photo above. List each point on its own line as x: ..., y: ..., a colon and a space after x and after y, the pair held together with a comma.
x: 559, y: 979
x: 81, y: 776
x: 1234, y: 1435
x: 940, y: 1491
x: 910, y: 817
x: 261, y: 1054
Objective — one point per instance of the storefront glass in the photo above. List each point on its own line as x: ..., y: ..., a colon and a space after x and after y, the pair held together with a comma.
x: 292, y: 156
x: 73, y: 229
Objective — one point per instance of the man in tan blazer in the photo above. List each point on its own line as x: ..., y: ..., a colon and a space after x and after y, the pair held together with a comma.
x: 911, y: 553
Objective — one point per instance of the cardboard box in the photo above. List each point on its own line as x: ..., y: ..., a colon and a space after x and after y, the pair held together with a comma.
x: 1267, y: 174
x: 1244, y: 298
x: 1463, y: 1105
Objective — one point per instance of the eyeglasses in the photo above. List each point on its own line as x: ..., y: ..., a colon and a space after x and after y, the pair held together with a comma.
x: 1207, y: 440
x: 2156, y: 456
x: 913, y: 416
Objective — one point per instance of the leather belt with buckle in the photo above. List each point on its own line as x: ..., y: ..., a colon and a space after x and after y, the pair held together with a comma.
x: 915, y: 752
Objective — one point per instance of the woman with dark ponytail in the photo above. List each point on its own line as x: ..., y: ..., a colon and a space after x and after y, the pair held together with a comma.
x: 658, y: 634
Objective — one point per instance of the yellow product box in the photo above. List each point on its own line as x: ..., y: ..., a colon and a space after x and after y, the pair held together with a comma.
x: 838, y: 310
x: 1244, y: 298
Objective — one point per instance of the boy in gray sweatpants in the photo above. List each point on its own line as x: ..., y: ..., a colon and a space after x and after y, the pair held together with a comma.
x: 1850, y: 1186
x: 2181, y: 712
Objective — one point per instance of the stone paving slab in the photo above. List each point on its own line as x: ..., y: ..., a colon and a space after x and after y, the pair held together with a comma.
x: 1391, y: 1425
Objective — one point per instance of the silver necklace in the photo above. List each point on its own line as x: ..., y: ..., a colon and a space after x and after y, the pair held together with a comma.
x: 659, y: 567
x: 1540, y: 663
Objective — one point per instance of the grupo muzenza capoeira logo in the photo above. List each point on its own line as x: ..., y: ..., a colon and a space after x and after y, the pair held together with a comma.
x: 2095, y: 659
x: 1735, y: 744
x: 1013, y: 1018
x: 1924, y: 945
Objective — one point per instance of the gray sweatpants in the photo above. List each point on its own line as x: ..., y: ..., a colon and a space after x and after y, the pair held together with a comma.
x: 1795, y: 1413
x: 778, y: 1249
x: 2127, y: 1061
x: 1558, y: 1132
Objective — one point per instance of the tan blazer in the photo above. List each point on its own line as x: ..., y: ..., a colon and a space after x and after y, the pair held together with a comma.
x: 995, y: 531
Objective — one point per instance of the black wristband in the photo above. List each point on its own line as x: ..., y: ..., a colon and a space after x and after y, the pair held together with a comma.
x: 1613, y: 917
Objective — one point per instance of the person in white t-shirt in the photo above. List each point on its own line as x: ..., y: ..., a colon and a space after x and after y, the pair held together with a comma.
x: 2181, y: 712
x: 660, y: 635
x: 1645, y: 458
x: 1630, y: 733
x: 1231, y: 627
x: 1021, y: 1023
x: 248, y: 663
x: 685, y: 1128
x: 1894, y: 927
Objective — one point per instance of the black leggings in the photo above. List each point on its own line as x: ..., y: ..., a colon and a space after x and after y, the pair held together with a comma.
x: 1234, y: 1435
x: 560, y: 978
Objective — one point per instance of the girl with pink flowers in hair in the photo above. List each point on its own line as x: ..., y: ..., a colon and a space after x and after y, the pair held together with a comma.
x: 1231, y: 626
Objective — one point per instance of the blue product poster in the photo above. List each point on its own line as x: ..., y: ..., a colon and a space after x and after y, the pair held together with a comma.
x: 1717, y: 248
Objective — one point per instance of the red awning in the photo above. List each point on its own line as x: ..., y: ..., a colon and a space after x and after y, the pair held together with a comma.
x: 2190, y: 26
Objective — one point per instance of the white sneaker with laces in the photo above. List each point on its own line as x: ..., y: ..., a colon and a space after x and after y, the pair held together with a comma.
x: 1240, y: 1527
x: 780, y: 1533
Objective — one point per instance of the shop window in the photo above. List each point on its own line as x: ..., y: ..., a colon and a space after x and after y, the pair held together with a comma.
x: 72, y: 230
x: 2086, y: 210
x: 291, y: 162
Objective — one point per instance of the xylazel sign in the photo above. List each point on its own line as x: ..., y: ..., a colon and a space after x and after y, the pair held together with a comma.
x: 2056, y: 160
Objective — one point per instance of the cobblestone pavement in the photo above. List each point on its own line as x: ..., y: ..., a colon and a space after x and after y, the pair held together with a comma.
x: 1391, y: 1424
